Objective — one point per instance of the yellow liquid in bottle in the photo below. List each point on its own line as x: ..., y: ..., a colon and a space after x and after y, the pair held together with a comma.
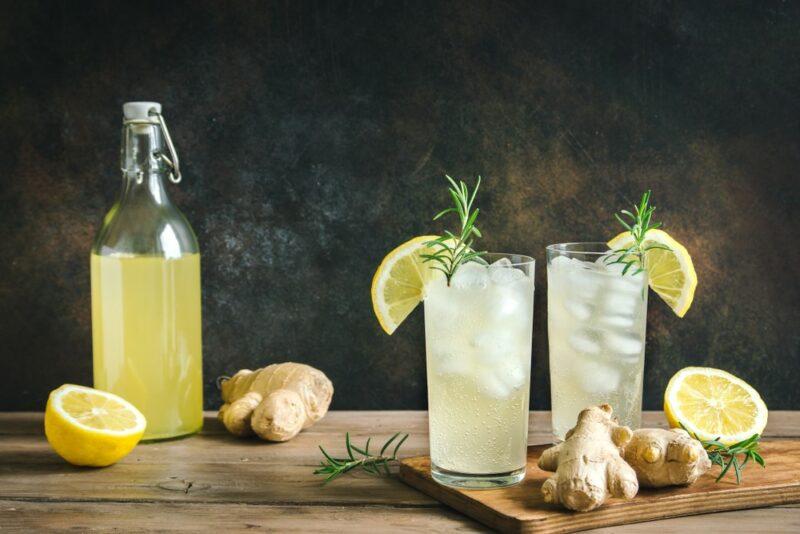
x: 146, y: 336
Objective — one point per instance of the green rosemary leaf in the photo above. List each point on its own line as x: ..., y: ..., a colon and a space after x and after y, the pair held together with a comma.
x: 437, y: 259
x: 347, y: 444
x: 727, y: 456
x: 386, y: 445
x: 726, y: 468
x: 626, y: 225
x: 399, y: 444
x: 371, y: 464
x: 330, y: 459
x: 443, y: 213
x: 638, y: 227
x: 456, y: 249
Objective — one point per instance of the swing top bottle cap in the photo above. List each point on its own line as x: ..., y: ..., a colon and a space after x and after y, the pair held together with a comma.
x: 139, y: 110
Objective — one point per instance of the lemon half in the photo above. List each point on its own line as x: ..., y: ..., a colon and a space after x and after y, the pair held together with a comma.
x: 714, y: 404
x: 90, y: 427
x: 670, y: 272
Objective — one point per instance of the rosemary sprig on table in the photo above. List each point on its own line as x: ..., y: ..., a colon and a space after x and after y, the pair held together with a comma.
x: 374, y: 464
x: 452, y: 250
x: 638, y: 223
x: 727, y: 456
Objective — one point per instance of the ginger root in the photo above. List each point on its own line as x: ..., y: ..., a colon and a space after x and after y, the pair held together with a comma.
x: 588, y: 465
x: 666, y: 457
x: 275, y: 402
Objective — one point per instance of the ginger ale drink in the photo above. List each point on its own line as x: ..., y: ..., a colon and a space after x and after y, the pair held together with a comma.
x: 478, y: 342
x: 596, y: 325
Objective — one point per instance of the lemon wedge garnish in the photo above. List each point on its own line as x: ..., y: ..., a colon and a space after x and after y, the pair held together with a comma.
x: 87, y: 426
x: 713, y: 404
x: 670, y: 272
x: 399, y: 283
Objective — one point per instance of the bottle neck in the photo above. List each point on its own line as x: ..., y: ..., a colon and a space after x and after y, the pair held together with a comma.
x: 143, y: 170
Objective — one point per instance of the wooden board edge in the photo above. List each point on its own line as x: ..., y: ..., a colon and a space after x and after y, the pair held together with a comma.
x: 607, y: 517
x: 458, y: 501
x: 656, y: 511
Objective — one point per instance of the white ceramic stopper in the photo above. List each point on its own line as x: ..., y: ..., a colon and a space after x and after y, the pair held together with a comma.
x: 139, y: 110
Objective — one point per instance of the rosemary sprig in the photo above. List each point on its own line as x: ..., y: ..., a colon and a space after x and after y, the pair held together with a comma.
x: 638, y: 223
x: 374, y: 464
x: 727, y: 456
x: 452, y: 250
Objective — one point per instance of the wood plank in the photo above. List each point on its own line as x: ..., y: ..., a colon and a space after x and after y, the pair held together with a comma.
x: 757, y: 521
x: 140, y: 517
x: 184, y: 480
x: 521, y: 508
x: 174, y: 517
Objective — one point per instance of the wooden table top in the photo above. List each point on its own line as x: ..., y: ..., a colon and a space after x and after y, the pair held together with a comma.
x: 216, y: 481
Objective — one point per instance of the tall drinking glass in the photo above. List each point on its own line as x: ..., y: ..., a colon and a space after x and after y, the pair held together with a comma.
x: 478, y: 333
x: 596, y: 319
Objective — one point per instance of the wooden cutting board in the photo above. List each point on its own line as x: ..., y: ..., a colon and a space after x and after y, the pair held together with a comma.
x: 520, y: 508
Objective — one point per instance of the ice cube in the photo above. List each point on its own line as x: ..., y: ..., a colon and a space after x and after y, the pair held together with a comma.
x: 512, y: 371
x: 507, y: 276
x: 502, y: 263
x: 501, y: 272
x: 585, y: 283
x: 605, y: 259
x: 596, y: 377
x: 491, y: 386
x: 450, y: 363
x: 470, y: 275
x: 579, y: 310
x: 584, y: 341
x: 628, y: 283
x: 560, y: 262
x: 491, y: 347
x: 510, y: 302
x: 623, y: 344
x: 619, y: 303
x: 616, y: 321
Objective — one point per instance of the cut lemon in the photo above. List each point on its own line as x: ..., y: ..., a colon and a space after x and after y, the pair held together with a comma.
x: 671, y: 272
x: 399, y: 283
x: 87, y: 426
x: 714, y: 404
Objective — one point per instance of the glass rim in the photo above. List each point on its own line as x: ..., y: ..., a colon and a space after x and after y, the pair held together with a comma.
x: 526, y: 260
x: 573, y: 247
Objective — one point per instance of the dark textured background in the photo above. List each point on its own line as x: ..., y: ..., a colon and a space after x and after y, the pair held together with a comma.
x: 314, y: 138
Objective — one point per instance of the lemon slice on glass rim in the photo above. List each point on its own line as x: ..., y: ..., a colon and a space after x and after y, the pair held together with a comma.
x: 399, y: 283
x: 670, y: 272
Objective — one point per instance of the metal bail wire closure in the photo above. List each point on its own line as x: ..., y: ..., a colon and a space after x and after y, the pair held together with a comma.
x: 172, y: 161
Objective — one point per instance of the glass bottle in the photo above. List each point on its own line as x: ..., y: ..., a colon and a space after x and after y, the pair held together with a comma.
x: 145, y: 267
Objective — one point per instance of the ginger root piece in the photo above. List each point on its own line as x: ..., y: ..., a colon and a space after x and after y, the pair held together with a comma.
x: 588, y: 465
x: 666, y: 457
x: 275, y: 402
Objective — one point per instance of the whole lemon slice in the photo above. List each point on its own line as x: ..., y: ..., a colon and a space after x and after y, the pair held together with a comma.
x: 399, y: 283
x: 670, y: 272
x: 714, y: 404
x: 87, y: 426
